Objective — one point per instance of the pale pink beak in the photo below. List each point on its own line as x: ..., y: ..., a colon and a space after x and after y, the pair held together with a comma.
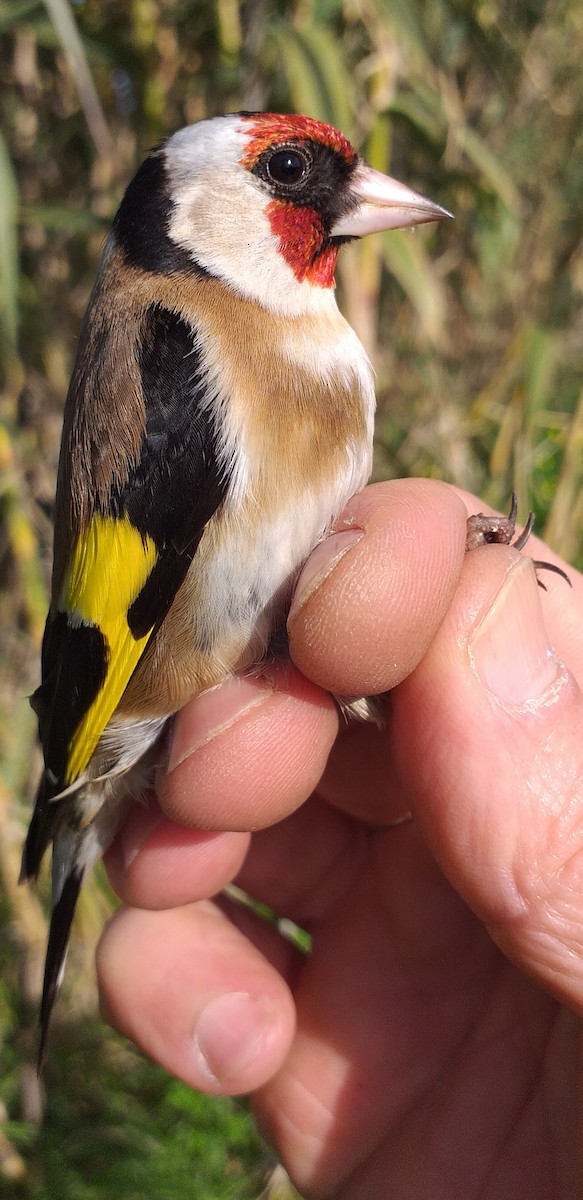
x: 384, y: 203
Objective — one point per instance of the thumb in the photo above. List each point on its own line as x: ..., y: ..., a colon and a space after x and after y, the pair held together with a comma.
x: 491, y: 720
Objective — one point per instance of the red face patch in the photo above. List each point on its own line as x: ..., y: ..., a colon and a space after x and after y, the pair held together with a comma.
x: 298, y: 228
x: 267, y: 128
x: 301, y: 242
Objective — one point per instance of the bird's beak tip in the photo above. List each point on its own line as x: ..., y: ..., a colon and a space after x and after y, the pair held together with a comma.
x: 443, y: 214
x: 383, y: 203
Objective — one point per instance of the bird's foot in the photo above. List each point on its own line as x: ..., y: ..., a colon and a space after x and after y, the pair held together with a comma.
x: 484, y: 530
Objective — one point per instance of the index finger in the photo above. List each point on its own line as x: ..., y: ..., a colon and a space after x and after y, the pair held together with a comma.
x: 368, y: 612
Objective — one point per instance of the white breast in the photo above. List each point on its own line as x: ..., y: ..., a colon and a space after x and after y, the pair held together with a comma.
x: 292, y: 402
x: 279, y: 506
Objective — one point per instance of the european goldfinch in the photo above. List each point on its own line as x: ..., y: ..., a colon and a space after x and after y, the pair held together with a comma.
x: 219, y: 417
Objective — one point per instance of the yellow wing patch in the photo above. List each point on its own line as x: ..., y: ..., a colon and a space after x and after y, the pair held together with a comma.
x: 110, y: 564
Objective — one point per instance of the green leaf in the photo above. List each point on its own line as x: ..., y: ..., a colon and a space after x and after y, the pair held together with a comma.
x: 405, y: 19
x: 405, y: 257
x: 317, y: 76
x: 74, y: 50
x: 13, y: 14
x: 8, y: 247
x: 475, y: 148
x: 58, y: 216
x: 429, y: 121
x: 539, y: 361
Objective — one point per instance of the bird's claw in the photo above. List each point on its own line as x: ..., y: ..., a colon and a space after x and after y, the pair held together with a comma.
x: 484, y: 530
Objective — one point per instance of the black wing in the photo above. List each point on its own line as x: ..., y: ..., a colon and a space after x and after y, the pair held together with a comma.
x: 168, y: 494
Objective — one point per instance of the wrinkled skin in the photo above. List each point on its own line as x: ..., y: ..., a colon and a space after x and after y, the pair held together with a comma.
x: 429, y: 1047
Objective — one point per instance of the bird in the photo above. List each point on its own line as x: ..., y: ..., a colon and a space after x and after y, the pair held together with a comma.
x: 219, y: 417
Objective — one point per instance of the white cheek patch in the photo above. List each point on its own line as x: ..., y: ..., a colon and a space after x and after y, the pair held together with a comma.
x: 220, y: 219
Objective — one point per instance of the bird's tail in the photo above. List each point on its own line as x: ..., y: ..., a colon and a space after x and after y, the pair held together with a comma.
x: 75, y: 850
x: 66, y: 883
x: 74, y: 853
x: 81, y: 820
x: 60, y: 927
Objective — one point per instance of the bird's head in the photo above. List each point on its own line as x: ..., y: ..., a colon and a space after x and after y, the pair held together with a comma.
x: 262, y: 201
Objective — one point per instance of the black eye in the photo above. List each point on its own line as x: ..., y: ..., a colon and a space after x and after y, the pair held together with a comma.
x: 287, y: 166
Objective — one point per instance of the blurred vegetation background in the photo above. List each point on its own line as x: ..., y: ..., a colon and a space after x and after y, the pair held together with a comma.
x: 476, y: 332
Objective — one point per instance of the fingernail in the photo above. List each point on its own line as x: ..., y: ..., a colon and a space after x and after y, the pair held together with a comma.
x: 320, y: 565
x: 229, y: 1033
x: 510, y: 648
x: 220, y: 708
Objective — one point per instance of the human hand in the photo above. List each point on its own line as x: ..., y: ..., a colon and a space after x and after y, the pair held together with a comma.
x: 429, y: 1045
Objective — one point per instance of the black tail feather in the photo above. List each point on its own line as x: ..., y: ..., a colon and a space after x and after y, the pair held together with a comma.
x: 61, y: 918
x: 41, y: 831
